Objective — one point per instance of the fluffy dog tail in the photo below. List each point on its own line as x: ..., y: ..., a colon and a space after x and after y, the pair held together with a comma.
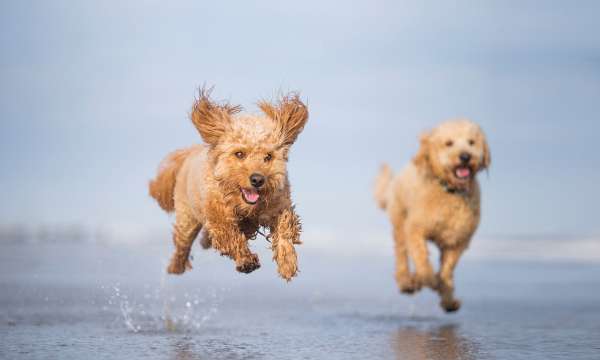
x: 163, y: 186
x: 382, y: 183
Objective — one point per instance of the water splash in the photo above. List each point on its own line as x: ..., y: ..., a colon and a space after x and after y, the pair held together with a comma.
x: 163, y: 308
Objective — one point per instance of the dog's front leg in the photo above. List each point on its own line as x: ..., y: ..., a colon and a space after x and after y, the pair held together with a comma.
x: 230, y: 241
x: 285, y: 233
x: 417, y: 246
x: 226, y: 237
x: 449, y: 259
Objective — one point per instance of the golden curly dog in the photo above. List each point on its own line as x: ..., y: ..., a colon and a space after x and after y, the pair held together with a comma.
x: 436, y: 197
x: 234, y: 183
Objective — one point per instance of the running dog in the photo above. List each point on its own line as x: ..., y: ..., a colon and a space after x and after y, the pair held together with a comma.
x: 234, y: 183
x: 436, y: 197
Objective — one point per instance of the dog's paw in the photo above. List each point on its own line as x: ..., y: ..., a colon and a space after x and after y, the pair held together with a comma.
x: 287, y: 270
x: 285, y: 256
x: 450, y: 305
x: 248, y: 264
x: 406, y: 284
x: 428, y: 279
x: 178, y: 266
x: 408, y: 289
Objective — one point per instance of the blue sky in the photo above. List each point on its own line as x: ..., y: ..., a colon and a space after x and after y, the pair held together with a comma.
x: 94, y: 94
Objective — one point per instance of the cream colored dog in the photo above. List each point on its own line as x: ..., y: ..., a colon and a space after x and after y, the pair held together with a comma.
x: 436, y: 197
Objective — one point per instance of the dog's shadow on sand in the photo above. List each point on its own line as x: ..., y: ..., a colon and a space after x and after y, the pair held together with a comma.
x: 444, y: 342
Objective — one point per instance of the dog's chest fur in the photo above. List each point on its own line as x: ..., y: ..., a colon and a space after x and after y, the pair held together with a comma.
x: 453, y: 217
x: 264, y: 214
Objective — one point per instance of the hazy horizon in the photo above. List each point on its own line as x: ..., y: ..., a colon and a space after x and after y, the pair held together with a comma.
x: 94, y: 95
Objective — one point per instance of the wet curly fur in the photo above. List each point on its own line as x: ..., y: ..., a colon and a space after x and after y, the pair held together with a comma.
x: 213, y: 187
x: 436, y: 197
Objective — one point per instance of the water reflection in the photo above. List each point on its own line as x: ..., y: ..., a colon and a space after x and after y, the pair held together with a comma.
x: 184, y: 350
x: 442, y: 342
x: 195, y: 347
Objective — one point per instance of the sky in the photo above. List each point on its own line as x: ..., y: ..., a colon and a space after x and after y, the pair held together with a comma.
x: 94, y: 94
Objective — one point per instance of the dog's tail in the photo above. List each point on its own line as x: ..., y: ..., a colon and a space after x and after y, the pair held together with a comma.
x: 382, y: 183
x: 163, y: 186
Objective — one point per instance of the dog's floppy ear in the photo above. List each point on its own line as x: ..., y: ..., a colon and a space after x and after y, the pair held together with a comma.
x: 212, y: 119
x: 487, y: 155
x: 422, y: 157
x: 289, y: 113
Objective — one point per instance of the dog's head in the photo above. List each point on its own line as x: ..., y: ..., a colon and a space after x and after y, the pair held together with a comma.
x: 454, y: 152
x: 249, y: 153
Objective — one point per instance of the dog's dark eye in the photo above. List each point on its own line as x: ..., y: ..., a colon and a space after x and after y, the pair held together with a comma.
x: 471, y: 142
x: 449, y: 143
x: 240, y: 154
x: 268, y: 157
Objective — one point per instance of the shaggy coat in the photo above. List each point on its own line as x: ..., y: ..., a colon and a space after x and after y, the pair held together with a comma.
x: 436, y: 197
x: 234, y: 183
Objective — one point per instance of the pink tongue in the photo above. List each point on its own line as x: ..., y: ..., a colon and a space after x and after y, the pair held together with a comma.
x: 463, y: 172
x: 251, y: 195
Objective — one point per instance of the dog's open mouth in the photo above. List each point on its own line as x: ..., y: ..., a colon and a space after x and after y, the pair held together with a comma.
x: 250, y: 196
x: 463, y: 172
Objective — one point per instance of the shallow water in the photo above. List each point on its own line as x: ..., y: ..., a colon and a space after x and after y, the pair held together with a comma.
x: 74, y: 301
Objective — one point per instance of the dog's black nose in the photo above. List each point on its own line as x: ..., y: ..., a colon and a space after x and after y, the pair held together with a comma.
x: 257, y: 180
x: 465, y: 157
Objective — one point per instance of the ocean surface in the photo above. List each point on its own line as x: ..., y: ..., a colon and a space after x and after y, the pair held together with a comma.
x: 72, y: 300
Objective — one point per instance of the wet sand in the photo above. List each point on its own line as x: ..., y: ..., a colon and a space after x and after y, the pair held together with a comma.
x: 74, y: 301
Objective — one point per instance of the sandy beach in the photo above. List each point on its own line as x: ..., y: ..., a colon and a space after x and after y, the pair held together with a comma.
x: 69, y: 300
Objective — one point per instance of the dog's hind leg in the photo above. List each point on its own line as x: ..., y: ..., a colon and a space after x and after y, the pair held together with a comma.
x: 184, y: 233
x: 403, y: 277
x: 449, y: 258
